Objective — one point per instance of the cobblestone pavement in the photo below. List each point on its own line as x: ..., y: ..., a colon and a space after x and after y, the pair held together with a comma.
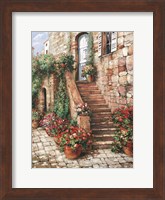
x: 46, y: 154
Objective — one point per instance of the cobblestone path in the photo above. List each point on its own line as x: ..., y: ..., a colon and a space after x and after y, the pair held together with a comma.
x: 46, y: 154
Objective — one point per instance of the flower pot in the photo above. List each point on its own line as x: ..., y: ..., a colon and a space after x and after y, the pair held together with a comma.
x: 128, y: 149
x: 72, y: 154
x: 90, y: 78
x: 35, y: 124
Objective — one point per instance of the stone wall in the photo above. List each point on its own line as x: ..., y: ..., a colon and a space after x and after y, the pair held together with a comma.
x: 59, y: 43
x: 115, y: 70
x: 50, y: 86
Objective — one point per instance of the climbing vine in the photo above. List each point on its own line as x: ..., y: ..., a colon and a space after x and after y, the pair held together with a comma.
x: 42, y: 66
x: 61, y: 107
x: 65, y: 63
x: 90, y: 57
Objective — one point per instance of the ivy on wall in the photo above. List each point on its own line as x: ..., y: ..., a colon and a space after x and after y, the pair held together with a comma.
x: 42, y: 66
x: 61, y: 107
x: 90, y: 56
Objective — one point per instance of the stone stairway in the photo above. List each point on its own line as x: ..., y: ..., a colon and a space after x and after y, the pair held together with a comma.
x: 101, y: 126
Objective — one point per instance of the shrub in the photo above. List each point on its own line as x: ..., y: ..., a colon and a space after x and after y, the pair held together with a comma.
x: 75, y: 137
x: 123, y: 119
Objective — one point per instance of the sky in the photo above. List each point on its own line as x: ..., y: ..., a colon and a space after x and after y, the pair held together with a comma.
x: 38, y: 38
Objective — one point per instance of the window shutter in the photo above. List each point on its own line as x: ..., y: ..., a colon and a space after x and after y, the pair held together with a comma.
x: 113, y: 41
x: 99, y: 44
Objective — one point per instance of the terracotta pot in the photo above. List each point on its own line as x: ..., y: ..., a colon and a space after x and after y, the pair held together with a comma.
x: 72, y: 154
x: 128, y: 149
x: 90, y: 78
x: 35, y: 124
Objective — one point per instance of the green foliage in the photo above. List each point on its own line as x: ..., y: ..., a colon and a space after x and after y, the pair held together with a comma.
x: 123, y: 119
x: 90, y: 50
x: 61, y: 107
x: 42, y: 66
x: 65, y: 63
x: 36, y: 115
x: 73, y: 122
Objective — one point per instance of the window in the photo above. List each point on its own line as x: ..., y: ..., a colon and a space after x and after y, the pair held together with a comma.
x: 107, y: 42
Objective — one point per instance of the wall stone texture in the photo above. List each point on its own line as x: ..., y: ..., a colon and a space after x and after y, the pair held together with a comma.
x: 50, y: 84
x: 114, y: 70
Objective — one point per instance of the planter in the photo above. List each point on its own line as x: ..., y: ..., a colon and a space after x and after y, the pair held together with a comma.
x: 72, y: 154
x: 90, y: 78
x: 128, y: 149
x: 35, y: 124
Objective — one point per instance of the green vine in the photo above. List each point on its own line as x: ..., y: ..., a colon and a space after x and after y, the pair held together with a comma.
x: 90, y: 57
x: 42, y: 66
x: 61, y: 107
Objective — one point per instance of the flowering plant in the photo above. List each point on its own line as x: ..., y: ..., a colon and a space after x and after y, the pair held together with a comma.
x: 123, y: 119
x: 64, y: 63
x: 76, y: 137
x: 53, y: 124
x: 83, y: 109
x: 88, y: 70
x: 48, y: 120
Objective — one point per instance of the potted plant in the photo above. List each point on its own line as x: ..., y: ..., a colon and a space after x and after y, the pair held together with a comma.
x: 74, y: 141
x: 47, y: 122
x: 83, y: 109
x: 54, y: 125
x: 89, y: 72
x: 123, y: 138
x: 35, y: 119
x: 59, y: 126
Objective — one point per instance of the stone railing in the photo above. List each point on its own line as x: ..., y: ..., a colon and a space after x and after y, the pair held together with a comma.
x: 75, y: 99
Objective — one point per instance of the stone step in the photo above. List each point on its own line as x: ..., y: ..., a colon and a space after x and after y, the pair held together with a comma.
x: 90, y: 92
x: 102, y: 144
x: 85, y: 82
x: 95, y: 97
x: 96, y: 101
x: 90, y: 97
x: 81, y: 86
x: 98, y: 125
x: 93, y: 106
x: 101, y: 114
x: 103, y: 137
x: 98, y: 119
x: 102, y: 123
x: 98, y: 109
x: 104, y: 131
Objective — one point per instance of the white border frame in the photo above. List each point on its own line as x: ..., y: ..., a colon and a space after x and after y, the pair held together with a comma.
x: 141, y: 176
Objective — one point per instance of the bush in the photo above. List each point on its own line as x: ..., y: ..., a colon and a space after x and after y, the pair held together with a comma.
x: 123, y: 119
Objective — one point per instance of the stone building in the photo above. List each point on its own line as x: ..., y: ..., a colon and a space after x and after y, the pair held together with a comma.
x: 112, y: 54
x: 113, y: 58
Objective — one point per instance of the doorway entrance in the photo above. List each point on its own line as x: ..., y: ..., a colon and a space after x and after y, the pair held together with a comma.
x: 44, y: 100
x: 82, y: 52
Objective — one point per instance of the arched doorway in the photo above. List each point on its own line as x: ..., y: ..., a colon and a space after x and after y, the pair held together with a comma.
x: 44, y: 99
x: 82, y: 53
